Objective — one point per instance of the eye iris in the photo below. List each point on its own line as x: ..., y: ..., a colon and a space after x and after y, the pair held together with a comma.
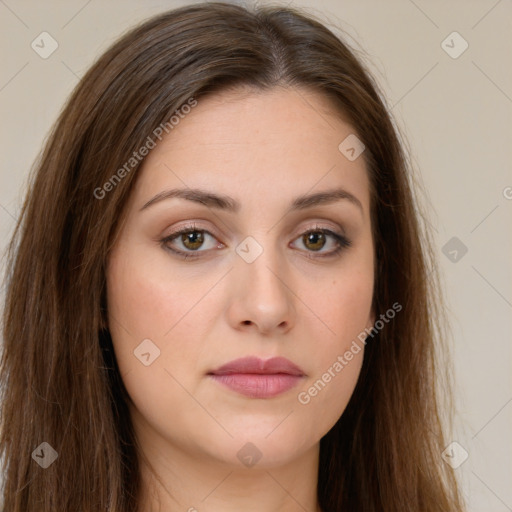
x: 315, y: 239
x: 196, y: 238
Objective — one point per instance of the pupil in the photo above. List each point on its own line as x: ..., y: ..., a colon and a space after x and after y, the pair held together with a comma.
x: 317, y: 239
x: 193, y: 240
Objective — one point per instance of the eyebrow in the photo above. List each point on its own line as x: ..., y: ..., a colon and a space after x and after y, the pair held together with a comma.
x: 223, y: 202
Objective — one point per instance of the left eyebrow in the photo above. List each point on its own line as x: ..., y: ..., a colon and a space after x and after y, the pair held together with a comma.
x: 227, y: 203
x: 327, y: 197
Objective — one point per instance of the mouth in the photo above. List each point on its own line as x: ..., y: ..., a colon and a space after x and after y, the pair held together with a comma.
x: 257, y: 378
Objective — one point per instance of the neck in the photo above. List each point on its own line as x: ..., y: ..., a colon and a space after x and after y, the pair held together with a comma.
x: 175, y: 481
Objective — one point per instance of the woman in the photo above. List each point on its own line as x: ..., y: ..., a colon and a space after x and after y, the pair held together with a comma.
x: 218, y: 293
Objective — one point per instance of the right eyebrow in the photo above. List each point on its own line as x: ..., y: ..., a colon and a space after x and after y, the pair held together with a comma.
x: 198, y: 196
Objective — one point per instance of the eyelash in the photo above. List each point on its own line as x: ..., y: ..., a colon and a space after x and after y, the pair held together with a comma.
x: 342, y: 241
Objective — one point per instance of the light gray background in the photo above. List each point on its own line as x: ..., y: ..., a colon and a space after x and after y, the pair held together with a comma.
x: 455, y: 113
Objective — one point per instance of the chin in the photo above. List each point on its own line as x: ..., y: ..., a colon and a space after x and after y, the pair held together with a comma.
x: 262, y: 444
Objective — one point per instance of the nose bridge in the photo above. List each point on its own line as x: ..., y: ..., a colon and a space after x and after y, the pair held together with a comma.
x: 264, y: 294
x: 262, y: 263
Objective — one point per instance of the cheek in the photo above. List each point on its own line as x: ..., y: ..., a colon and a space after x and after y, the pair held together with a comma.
x: 153, y: 309
x: 345, y: 306
x: 147, y: 313
x: 143, y: 305
x: 343, y: 300
x: 147, y: 298
x: 338, y: 356
x: 328, y: 391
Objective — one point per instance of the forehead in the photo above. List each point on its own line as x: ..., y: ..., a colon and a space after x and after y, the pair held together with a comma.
x: 248, y: 116
x: 246, y: 142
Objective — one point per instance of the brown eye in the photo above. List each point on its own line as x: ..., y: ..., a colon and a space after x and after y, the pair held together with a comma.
x: 192, y: 240
x: 320, y: 238
x: 314, y: 240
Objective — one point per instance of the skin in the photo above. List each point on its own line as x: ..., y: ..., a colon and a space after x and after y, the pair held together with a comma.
x: 262, y: 149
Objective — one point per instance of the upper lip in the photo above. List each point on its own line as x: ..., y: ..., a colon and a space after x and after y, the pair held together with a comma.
x: 255, y: 365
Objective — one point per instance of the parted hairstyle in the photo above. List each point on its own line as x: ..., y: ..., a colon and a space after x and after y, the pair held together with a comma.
x: 59, y: 378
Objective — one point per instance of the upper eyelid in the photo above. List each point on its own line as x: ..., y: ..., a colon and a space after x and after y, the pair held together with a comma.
x: 195, y: 227
x: 334, y: 225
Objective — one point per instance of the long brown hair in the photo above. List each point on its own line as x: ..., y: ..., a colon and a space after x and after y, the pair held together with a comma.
x: 59, y: 379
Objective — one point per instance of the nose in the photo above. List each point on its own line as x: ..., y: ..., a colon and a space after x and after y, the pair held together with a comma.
x: 261, y: 295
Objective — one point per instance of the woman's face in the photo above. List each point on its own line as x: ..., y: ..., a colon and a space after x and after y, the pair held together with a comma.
x: 261, y: 272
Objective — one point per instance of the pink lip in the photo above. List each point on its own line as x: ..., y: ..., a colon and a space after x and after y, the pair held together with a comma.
x: 258, y: 378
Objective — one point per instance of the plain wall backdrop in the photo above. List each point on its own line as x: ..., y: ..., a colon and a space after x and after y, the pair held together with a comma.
x: 444, y: 67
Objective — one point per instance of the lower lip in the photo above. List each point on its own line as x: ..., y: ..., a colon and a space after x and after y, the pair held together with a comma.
x: 258, y: 386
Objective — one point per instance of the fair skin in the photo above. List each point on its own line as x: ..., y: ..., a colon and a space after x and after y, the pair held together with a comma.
x: 297, y: 300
